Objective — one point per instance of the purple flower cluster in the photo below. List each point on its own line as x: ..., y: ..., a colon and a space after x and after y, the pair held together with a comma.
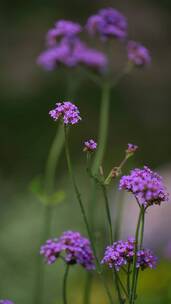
x: 74, y: 248
x: 146, y: 185
x: 119, y: 254
x: 122, y: 253
x: 90, y: 145
x: 146, y: 259
x: 6, y: 302
x: 138, y: 54
x: 67, y: 111
x: 71, y: 53
x: 108, y: 22
x: 131, y: 148
x: 62, y: 29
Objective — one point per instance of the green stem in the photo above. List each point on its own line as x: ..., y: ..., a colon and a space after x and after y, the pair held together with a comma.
x: 103, y: 128
x: 135, y: 271
x: 87, y: 290
x: 118, y: 219
x: 108, y: 213
x: 78, y: 196
x: 128, y: 280
x: 65, y: 279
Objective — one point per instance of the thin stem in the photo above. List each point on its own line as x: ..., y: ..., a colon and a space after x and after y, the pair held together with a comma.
x: 118, y: 220
x: 128, y: 279
x: 108, y: 212
x: 135, y: 271
x: 78, y: 196
x: 103, y: 127
x: 65, y: 279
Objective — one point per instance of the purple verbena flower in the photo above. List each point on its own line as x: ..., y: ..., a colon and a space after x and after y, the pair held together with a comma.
x: 138, y: 54
x: 119, y: 254
x: 90, y: 145
x: 108, y: 22
x: 146, y: 259
x: 6, y: 302
x: 63, y: 28
x: 131, y: 148
x: 67, y: 111
x: 146, y: 185
x: 74, y: 249
x: 72, y: 53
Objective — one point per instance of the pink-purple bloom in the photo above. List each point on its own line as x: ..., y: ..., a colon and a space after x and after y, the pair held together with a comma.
x: 62, y: 29
x: 138, y: 54
x: 6, y: 302
x: 72, y: 247
x: 122, y: 253
x: 108, y: 22
x: 119, y: 254
x: 90, y: 145
x: 146, y: 185
x: 72, y: 53
x: 146, y: 259
x: 66, y: 111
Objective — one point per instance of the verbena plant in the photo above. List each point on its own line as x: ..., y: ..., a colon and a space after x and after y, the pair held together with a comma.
x: 66, y: 49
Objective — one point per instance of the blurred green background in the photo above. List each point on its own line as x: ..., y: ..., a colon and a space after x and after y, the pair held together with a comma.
x: 140, y: 113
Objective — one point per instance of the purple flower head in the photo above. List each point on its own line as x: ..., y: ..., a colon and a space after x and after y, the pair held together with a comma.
x: 146, y: 259
x: 66, y: 111
x: 122, y: 252
x: 90, y: 145
x: 119, y: 254
x: 108, y: 22
x: 146, y: 185
x: 6, y: 302
x: 131, y: 148
x: 62, y: 29
x: 74, y: 248
x: 71, y: 53
x: 138, y: 54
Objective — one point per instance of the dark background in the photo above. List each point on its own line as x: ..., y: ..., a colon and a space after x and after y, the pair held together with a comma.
x: 140, y: 113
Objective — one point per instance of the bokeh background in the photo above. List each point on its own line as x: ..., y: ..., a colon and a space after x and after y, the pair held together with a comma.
x: 140, y: 113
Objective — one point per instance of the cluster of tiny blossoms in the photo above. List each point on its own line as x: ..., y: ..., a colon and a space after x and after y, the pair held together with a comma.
x: 131, y: 148
x: 6, y: 302
x: 119, y: 254
x: 122, y: 252
x: 146, y: 185
x: 67, y: 111
x: 72, y: 247
x: 90, y: 145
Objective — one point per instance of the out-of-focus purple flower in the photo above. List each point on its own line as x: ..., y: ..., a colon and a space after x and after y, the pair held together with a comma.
x: 90, y: 145
x: 119, y: 254
x: 71, y: 53
x: 146, y: 185
x: 108, y: 22
x: 63, y: 28
x: 67, y: 111
x: 71, y: 246
x: 131, y: 148
x: 6, y: 302
x: 146, y: 259
x: 138, y: 54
